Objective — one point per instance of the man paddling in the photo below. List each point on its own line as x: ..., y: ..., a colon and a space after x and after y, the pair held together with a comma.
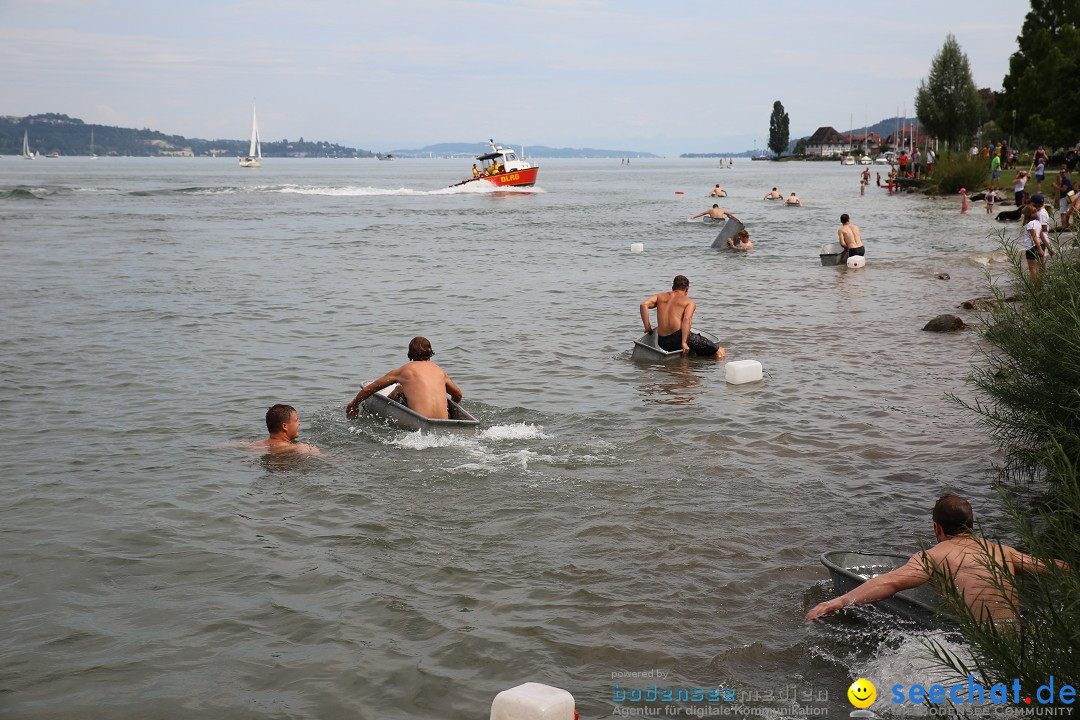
x: 773, y: 194
x: 716, y: 212
x: 674, y: 313
x: 983, y: 572
x: 423, y: 385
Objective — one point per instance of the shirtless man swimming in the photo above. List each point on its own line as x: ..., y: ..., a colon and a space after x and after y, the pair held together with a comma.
x: 674, y: 313
x: 773, y: 194
x: 850, y: 237
x: 283, y: 424
x: 960, y: 559
x: 718, y: 191
x: 423, y: 385
x: 792, y: 199
x: 714, y: 212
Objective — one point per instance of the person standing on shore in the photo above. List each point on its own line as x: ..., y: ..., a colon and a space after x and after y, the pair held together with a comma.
x: 1018, y: 188
x: 995, y: 171
x: 850, y: 237
x: 1062, y: 187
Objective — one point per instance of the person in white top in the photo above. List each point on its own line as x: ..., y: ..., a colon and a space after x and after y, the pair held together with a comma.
x: 1044, y: 219
x: 1033, y: 247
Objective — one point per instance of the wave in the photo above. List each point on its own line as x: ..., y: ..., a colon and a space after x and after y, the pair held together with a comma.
x: 358, y: 191
x: 24, y: 193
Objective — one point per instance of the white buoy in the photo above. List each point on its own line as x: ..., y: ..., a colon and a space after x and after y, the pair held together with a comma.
x: 738, y: 372
x: 533, y: 701
x: 637, y: 247
x: 856, y: 261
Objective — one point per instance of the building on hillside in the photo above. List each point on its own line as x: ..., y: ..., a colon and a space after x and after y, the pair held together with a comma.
x: 826, y: 142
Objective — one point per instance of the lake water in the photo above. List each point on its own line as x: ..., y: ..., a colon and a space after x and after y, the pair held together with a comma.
x: 611, y: 517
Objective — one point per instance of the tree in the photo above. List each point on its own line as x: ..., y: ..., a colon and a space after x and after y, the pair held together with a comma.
x: 778, y: 129
x: 800, y: 146
x: 1041, y: 83
x: 947, y: 103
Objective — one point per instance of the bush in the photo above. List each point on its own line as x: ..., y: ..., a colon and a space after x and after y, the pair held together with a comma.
x: 1030, y: 400
x: 955, y: 171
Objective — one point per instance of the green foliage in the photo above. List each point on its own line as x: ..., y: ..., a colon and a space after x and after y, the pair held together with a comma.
x: 1029, y: 385
x: 1041, y: 84
x: 800, y: 146
x: 779, y: 134
x: 953, y: 171
x: 947, y: 103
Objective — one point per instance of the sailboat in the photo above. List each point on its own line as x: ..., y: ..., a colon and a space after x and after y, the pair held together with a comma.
x: 93, y: 155
x: 26, y: 146
x: 254, y: 156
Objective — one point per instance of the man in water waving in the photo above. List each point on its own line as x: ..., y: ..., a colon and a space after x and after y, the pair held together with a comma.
x: 674, y: 312
x: 423, y: 385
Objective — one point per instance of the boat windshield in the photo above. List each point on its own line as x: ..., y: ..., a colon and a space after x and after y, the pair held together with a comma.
x: 511, y: 156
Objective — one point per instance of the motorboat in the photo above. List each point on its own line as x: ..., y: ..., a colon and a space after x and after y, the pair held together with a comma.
x: 881, y: 160
x: 849, y: 160
x: 53, y: 155
x: 848, y: 570
x: 254, y: 156
x: 387, y: 156
x: 405, y: 417
x: 647, y: 347
x: 502, y: 167
x: 865, y: 160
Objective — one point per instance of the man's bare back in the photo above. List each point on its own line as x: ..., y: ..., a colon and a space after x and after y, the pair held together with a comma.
x: 849, y: 235
x: 674, y: 311
x: 424, y: 385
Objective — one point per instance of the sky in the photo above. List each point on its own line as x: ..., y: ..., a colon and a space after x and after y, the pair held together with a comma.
x: 637, y: 75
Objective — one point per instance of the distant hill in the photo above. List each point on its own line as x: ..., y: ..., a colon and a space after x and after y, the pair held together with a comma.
x: 71, y: 136
x: 469, y: 150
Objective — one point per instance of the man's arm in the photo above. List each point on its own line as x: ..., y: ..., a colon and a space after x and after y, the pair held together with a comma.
x: 840, y: 234
x: 687, y: 318
x: 912, y: 574
x: 454, y: 390
x: 1026, y: 564
x: 695, y: 217
x: 731, y: 215
x: 645, y: 307
x: 353, y: 408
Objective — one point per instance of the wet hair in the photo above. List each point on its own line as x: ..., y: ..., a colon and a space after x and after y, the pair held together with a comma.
x: 953, y: 514
x: 774, y: 188
x: 278, y: 415
x: 844, y: 218
x: 744, y: 233
x: 420, y: 349
x: 715, y: 205
x: 680, y: 283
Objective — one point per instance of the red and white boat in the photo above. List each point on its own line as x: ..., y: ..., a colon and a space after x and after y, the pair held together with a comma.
x: 502, y: 167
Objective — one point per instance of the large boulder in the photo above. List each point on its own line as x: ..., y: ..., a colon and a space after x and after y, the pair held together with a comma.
x: 945, y: 323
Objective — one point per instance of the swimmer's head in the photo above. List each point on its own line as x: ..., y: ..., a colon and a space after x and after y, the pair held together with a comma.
x: 743, y: 235
x: 680, y: 283
x: 844, y: 218
x: 953, y: 514
x: 715, y: 205
x: 420, y: 349
x: 278, y: 416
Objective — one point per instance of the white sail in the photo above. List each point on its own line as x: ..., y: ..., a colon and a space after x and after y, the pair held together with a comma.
x: 26, y: 146
x: 93, y: 155
x: 254, y: 156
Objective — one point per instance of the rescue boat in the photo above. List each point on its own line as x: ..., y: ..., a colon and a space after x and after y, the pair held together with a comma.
x: 502, y: 167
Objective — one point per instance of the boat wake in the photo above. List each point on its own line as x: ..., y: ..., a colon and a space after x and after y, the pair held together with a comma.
x: 348, y: 190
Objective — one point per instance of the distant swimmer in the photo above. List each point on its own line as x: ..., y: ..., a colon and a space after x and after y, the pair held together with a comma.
x: 850, y: 237
x: 773, y: 194
x: 422, y: 385
x: 793, y: 199
x: 718, y: 191
x: 714, y: 212
x: 283, y: 424
x: 741, y: 241
x: 982, y: 572
x: 674, y: 313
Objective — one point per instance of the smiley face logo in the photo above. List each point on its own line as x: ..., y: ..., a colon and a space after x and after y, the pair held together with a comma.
x: 862, y: 693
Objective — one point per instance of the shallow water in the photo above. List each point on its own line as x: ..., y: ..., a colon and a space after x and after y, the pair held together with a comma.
x: 611, y: 517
